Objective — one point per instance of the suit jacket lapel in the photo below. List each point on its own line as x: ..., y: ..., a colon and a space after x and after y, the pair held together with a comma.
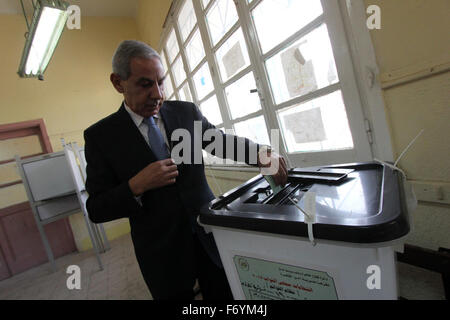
x: 171, y: 122
x: 133, y: 137
x: 131, y: 133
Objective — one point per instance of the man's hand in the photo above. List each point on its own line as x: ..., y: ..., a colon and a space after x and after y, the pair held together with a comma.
x: 155, y: 175
x: 272, y: 164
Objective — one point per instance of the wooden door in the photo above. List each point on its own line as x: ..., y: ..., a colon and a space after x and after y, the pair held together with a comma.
x: 21, y: 247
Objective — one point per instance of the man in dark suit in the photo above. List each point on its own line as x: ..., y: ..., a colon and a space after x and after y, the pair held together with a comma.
x: 131, y: 174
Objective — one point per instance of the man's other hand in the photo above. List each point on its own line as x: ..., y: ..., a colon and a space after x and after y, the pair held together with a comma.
x: 273, y: 164
x: 155, y: 175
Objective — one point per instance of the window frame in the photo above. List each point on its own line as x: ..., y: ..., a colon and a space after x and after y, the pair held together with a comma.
x: 344, y: 20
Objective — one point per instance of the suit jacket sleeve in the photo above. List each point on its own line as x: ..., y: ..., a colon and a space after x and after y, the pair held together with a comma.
x: 232, y: 146
x: 109, y: 198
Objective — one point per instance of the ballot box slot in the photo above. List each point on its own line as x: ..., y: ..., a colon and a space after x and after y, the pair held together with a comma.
x: 266, y: 196
x: 263, y: 195
x: 259, y: 195
x: 284, y: 194
x: 273, y: 198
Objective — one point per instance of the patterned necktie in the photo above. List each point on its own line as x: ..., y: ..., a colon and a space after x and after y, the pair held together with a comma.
x: 156, y: 140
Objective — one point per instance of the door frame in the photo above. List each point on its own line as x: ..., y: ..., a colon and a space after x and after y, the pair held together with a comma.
x: 20, y: 130
x: 27, y: 128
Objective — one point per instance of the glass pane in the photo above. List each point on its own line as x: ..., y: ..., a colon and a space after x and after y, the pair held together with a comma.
x: 194, y: 50
x: 254, y: 129
x: 240, y: 100
x: 164, y: 61
x: 317, y: 125
x: 213, y: 160
x: 168, y: 88
x: 185, y: 93
x: 210, y: 109
x: 276, y: 20
x: 304, y: 67
x: 205, y: 3
x: 186, y: 19
x: 203, y: 82
x: 221, y: 18
x: 232, y: 56
x: 178, y: 71
x: 172, y: 46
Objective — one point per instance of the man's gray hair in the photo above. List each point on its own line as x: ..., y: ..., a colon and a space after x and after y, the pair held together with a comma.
x: 127, y: 50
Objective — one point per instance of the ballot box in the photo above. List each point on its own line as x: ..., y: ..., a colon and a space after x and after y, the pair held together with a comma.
x: 270, y: 252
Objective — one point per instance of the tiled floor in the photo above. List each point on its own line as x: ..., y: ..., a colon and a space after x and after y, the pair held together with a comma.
x: 419, y: 284
x: 121, y: 279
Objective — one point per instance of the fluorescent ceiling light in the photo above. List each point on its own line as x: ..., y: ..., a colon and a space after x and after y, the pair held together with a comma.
x: 49, y: 20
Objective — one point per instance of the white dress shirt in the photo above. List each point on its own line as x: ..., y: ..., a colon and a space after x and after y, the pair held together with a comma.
x: 143, y: 127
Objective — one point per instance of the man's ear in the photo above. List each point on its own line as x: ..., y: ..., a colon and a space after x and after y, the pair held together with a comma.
x: 116, y: 82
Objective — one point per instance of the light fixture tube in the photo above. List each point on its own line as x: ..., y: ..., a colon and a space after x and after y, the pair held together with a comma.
x: 49, y: 20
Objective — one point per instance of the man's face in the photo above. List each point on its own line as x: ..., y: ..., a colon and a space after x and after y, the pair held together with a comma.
x: 144, y: 89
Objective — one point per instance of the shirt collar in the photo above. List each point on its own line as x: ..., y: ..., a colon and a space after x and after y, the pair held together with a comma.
x: 137, y: 119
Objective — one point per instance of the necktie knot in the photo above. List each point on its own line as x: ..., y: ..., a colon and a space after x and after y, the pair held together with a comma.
x: 150, y: 121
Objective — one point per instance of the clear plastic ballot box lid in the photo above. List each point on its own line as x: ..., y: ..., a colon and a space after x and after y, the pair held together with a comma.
x: 356, y: 203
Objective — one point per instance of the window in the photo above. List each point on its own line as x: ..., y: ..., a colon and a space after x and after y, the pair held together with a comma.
x: 186, y: 19
x: 194, y: 50
x: 221, y: 16
x: 251, y: 65
x: 304, y: 67
x: 172, y: 48
x: 276, y: 20
x: 232, y: 56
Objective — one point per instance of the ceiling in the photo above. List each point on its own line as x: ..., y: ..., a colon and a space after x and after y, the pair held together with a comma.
x: 99, y: 8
